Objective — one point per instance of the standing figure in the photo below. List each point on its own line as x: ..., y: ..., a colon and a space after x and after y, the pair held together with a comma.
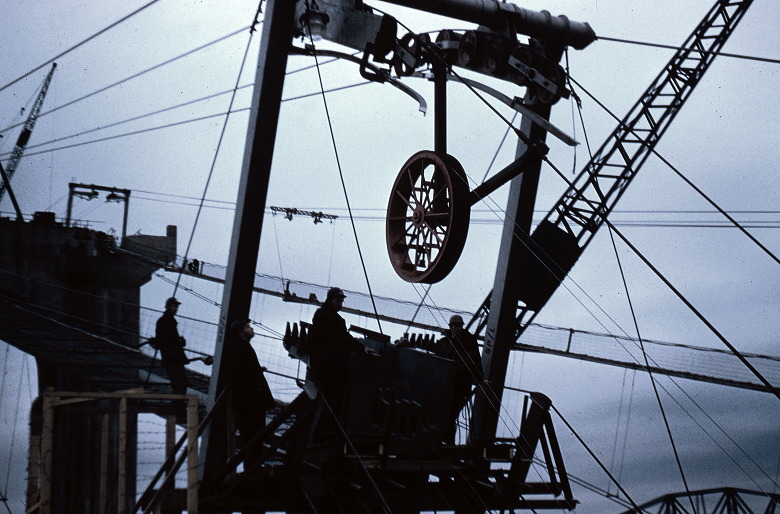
x: 251, y: 396
x: 329, y: 347
x: 171, y: 346
x: 460, y: 346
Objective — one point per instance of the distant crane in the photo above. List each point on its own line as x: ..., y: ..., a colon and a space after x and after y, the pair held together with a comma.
x: 24, y: 136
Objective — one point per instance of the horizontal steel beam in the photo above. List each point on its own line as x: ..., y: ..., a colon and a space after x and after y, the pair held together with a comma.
x: 500, y: 15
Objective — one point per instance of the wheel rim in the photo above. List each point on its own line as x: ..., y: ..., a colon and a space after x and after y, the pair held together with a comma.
x: 427, y: 217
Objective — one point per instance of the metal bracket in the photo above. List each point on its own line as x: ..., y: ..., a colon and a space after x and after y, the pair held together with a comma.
x: 537, y: 77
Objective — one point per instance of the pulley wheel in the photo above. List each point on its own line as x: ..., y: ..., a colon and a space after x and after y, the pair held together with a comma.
x: 523, y: 54
x: 427, y: 217
x: 411, y: 44
x: 468, y: 49
x: 494, y: 54
x: 555, y: 74
x: 445, y: 36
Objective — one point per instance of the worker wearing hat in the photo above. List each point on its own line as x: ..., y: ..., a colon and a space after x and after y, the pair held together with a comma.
x: 460, y: 346
x: 329, y: 348
x: 171, y: 346
x: 251, y: 396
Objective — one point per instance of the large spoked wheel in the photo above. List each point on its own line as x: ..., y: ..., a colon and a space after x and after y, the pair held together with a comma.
x: 428, y: 217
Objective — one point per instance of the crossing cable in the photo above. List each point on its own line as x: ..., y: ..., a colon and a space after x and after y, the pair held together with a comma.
x: 763, y: 380
x: 13, y: 432
x: 703, y: 52
x: 769, y: 387
x: 159, y: 111
x: 219, y: 143
x: 3, y: 495
x: 712, y: 202
x: 650, y: 374
x: 487, y: 390
x: 582, y: 442
x: 617, y: 427
x: 673, y: 381
x: 578, y: 102
x: 341, y: 174
x: 147, y: 70
x: 93, y: 36
x: 587, y: 141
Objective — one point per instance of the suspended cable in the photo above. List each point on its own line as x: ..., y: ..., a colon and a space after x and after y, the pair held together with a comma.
x: 736, y: 352
x: 501, y: 144
x: 712, y: 328
x: 219, y: 145
x: 419, y: 306
x: 698, y: 51
x: 143, y: 72
x: 341, y: 176
x: 613, y: 321
x: 278, y: 250
x: 650, y: 374
x: 587, y: 448
x: 617, y: 426
x: 654, y: 151
x: 79, y: 44
x: 628, y: 421
x: 15, y: 427
x: 136, y: 132
x: 136, y: 118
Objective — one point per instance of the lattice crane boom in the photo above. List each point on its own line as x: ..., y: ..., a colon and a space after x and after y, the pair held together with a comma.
x: 582, y: 209
x: 24, y: 136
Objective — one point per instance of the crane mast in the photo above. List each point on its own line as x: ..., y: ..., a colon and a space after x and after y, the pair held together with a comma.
x: 24, y: 136
x: 572, y: 222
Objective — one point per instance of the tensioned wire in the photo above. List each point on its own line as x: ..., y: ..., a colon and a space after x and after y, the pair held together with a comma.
x: 763, y: 380
x: 547, y: 160
x: 636, y: 324
x: 159, y: 111
x: 341, y: 176
x: 152, y: 2
x: 219, y: 144
x: 79, y: 44
x: 673, y: 381
x: 646, y: 356
x: 650, y: 374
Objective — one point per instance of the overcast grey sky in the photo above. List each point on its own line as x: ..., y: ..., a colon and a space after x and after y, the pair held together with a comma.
x: 723, y: 141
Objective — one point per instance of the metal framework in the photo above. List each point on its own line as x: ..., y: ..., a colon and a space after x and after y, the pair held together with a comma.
x: 571, y: 224
x: 714, y: 501
x: 24, y: 136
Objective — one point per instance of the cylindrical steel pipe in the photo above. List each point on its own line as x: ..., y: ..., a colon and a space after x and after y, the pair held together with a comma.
x: 495, y: 14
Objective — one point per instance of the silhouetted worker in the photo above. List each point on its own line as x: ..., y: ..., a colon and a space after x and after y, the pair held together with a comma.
x: 171, y: 346
x: 329, y: 346
x: 460, y: 346
x: 250, y: 392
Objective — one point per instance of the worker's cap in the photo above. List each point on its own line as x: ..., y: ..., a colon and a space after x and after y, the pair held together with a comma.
x: 171, y: 301
x: 238, y: 325
x: 456, y: 320
x: 335, y: 292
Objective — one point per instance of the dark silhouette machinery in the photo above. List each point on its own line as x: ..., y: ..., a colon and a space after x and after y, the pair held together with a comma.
x: 386, y: 454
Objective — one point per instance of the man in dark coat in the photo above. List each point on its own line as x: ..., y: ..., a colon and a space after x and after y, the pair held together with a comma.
x: 460, y: 346
x: 329, y: 346
x: 251, y: 396
x: 171, y: 346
